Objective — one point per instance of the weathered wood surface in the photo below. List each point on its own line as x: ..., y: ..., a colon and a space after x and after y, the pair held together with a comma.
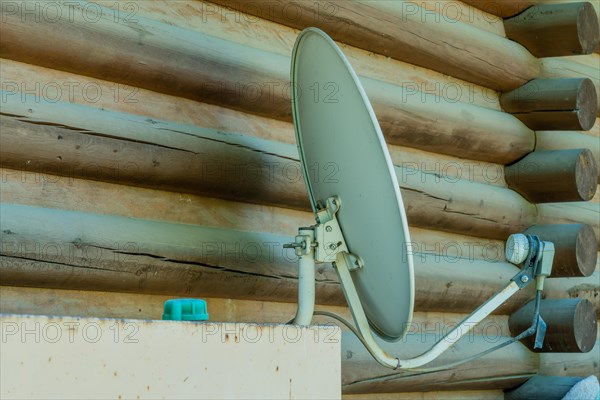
x: 541, y: 387
x: 191, y: 64
x: 572, y: 325
x: 552, y: 176
x: 576, y: 248
x: 554, y: 104
x: 361, y: 375
x: 574, y: 288
x: 553, y: 30
x: 52, y: 191
x: 65, y: 249
x: 215, y: 20
x: 431, y: 200
x: 571, y: 364
x: 128, y: 149
x: 400, y: 30
x: 157, y: 106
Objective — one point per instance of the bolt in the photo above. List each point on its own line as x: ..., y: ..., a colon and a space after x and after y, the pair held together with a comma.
x: 328, y: 228
x: 332, y: 246
x: 524, y: 279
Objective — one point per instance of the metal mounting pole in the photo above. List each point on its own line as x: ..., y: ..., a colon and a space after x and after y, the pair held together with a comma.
x: 306, y: 276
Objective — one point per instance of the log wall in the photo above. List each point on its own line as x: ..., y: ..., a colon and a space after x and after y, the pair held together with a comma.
x: 147, y: 152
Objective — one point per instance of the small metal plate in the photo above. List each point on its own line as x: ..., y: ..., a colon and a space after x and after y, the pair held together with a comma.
x: 343, y: 153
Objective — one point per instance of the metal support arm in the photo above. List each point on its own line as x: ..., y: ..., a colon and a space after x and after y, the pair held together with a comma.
x: 440, y: 347
x: 325, y: 242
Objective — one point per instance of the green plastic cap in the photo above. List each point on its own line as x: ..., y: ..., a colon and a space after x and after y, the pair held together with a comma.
x: 185, y: 310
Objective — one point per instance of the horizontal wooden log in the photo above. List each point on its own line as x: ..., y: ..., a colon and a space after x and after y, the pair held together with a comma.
x: 448, y: 46
x: 554, y: 30
x: 560, y: 140
x: 571, y: 364
x: 576, y: 248
x: 157, y: 106
x: 572, y: 325
x: 197, y: 66
x: 563, y: 67
x: 554, y: 176
x: 215, y: 20
x: 554, y: 104
x: 496, y: 370
x: 52, y: 191
x: 73, y: 250
x: 123, y: 148
x: 541, y: 387
x: 16, y: 79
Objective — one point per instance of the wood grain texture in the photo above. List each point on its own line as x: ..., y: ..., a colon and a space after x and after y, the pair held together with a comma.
x: 74, y: 88
x: 400, y: 30
x: 571, y: 364
x: 73, y: 250
x: 66, y: 249
x: 52, y: 191
x: 552, y: 176
x: 128, y: 149
x: 201, y: 67
x: 554, y: 30
x: 234, y: 26
x: 572, y: 325
x: 554, y: 104
x: 496, y: 370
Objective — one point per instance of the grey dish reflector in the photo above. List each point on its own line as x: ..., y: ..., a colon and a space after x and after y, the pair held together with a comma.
x: 344, y: 154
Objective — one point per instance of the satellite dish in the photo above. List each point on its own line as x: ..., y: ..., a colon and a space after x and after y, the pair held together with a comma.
x: 344, y: 154
x: 361, y: 224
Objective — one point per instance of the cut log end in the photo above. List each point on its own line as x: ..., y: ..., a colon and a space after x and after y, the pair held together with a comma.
x: 554, y: 104
x: 586, y: 250
x: 571, y: 325
x: 554, y: 176
x: 586, y: 175
x: 588, y: 29
x: 587, y: 104
x: 555, y: 30
x: 575, y: 245
x: 586, y: 326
